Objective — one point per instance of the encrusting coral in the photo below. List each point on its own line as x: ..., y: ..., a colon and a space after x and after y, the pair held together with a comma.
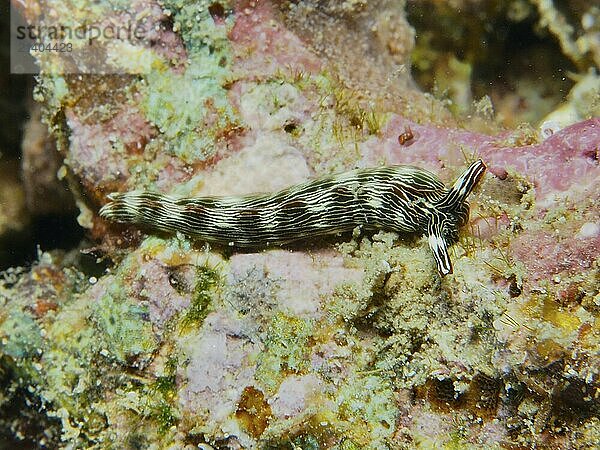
x: 160, y: 341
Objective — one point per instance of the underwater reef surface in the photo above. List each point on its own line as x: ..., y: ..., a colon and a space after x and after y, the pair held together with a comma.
x: 159, y: 341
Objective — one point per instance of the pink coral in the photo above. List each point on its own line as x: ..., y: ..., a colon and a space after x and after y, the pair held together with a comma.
x: 545, y: 254
x: 91, y: 153
x: 564, y: 161
x: 263, y: 45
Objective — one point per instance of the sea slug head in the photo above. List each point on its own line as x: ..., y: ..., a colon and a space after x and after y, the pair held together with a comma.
x: 450, y: 213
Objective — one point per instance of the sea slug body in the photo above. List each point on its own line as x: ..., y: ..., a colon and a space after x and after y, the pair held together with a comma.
x: 404, y: 199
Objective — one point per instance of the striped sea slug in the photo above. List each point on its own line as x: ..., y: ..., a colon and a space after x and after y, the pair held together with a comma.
x: 405, y: 199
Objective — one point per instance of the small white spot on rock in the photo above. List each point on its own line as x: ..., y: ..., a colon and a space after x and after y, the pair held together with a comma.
x: 588, y: 230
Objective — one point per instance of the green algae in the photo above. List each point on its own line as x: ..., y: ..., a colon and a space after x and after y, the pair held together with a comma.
x: 197, y: 27
x: 361, y: 407
x: 208, y: 279
x: 192, y: 107
x: 367, y: 406
x: 189, y: 123
x: 125, y: 329
x: 277, y: 101
x: 59, y: 373
x: 343, y: 122
x: 71, y: 355
x: 21, y: 335
x: 349, y: 444
x: 306, y: 442
x: 286, y: 350
x: 164, y: 414
x: 340, y: 119
x: 166, y: 384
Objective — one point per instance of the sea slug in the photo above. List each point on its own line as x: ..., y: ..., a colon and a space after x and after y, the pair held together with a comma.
x: 405, y: 199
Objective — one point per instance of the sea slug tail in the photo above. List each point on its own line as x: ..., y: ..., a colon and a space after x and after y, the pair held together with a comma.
x: 135, y: 207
